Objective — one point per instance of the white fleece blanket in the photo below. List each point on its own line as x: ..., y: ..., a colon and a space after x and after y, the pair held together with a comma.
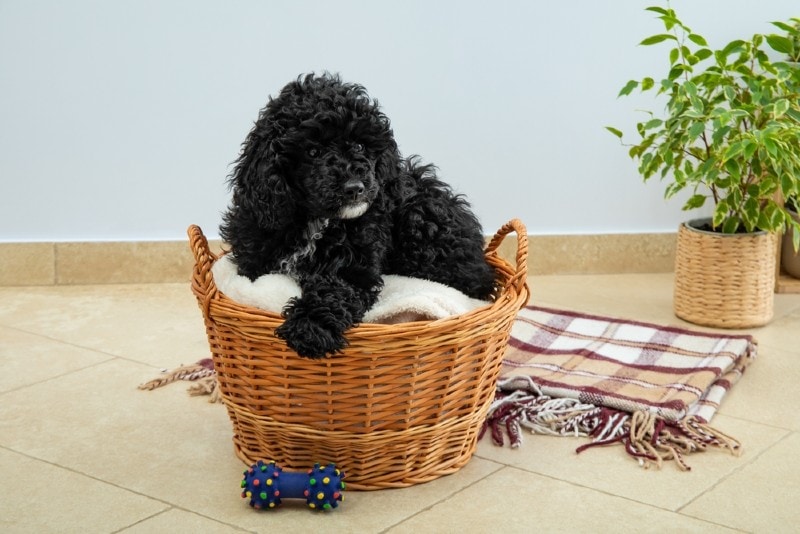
x: 402, y: 299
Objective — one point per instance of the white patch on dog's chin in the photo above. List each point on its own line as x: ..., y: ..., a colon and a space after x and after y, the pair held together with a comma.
x: 353, y: 210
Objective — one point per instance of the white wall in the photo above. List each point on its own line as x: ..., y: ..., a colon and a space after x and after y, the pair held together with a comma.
x: 119, y: 119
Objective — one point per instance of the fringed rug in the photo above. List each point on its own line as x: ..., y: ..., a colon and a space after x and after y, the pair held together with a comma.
x: 201, y: 373
x: 653, y: 389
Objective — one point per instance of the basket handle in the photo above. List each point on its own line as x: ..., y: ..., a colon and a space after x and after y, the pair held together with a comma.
x: 203, y: 285
x: 520, y: 276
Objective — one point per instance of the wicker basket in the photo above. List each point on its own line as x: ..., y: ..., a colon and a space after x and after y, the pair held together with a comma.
x: 402, y: 405
x: 724, y: 280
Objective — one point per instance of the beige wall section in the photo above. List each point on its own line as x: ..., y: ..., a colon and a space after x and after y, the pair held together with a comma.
x: 171, y: 261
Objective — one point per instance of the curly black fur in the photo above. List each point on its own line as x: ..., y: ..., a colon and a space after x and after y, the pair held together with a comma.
x: 321, y: 192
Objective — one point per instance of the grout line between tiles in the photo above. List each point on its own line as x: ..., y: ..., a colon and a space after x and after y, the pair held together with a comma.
x: 734, y: 471
x: 171, y: 508
x: 614, y: 495
x: 761, y: 423
x: 449, y: 496
x: 142, y: 520
x: 169, y: 505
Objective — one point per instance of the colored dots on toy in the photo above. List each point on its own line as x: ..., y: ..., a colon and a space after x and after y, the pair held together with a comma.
x: 326, y: 482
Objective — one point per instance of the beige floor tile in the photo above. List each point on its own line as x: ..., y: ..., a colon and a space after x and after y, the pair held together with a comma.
x: 760, y: 497
x: 39, y: 497
x: 159, y: 324
x: 782, y: 333
x: 633, y: 296
x: 532, y: 502
x: 176, y: 521
x: 360, y: 512
x: 764, y: 395
x: 28, y: 358
x: 643, y: 297
x: 97, y: 422
x: 611, y: 470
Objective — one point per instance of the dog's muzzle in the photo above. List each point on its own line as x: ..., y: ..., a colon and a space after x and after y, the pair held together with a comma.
x: 351, y: 211
x: 355, y: 194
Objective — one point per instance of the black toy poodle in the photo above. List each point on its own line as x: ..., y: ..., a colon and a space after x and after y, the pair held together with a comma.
x: 321, y: 193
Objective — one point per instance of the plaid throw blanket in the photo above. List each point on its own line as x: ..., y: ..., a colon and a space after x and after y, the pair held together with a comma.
x: 652, y: 388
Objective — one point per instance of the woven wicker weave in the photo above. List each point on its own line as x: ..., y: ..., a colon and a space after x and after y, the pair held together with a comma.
x: 403, y: 404
x: 724, y: 280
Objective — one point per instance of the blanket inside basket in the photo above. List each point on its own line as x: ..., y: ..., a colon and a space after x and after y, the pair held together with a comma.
x: 402, y: 299
x: 652, y: 388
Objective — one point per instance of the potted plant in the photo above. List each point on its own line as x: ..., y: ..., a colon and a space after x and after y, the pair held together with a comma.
x: 729, y: 134
x: 790, y: 256
x: 790, y: 45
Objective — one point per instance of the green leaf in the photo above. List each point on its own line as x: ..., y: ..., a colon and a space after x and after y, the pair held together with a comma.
x: 750, y: 149
x: 781, y: 107
x: 780, y: 43
x: 796, y: 238
x: 794, y: 114
x: 647, y: 84
x: 656, y: 9
x: 697, y: 104
x: 772, y: 148
x: 734, y: 150
x: 767, y: 187
x: 697, y: 39
x: 731, y: 225
x: 614, y: 131
x: 730, y: 93
x: 782, y: 25
x: 732, y: 168
x: 720, y: 212
x: 719, y: 134
x: 733, y: 46
x: 703, y: 53
x: 674, y: 54
x: 695, y: 201
x: 787, y: 184
x: 630, y: 86
x: 653, y: 123
x: 676, y: 71
x: 654, y: 39
x: 696, y: 129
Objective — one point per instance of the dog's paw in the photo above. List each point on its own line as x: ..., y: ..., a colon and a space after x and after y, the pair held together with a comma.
x: 310, y: 339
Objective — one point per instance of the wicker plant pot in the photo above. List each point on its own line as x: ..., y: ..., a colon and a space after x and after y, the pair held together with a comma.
x: 403, y: 404
x: 724, y: 280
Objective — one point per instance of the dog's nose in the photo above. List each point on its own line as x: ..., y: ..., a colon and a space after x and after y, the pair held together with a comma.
x: 354, y: 189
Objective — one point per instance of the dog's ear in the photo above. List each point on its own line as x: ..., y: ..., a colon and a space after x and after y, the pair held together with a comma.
x: 388, y: 164
x: 259, y: 186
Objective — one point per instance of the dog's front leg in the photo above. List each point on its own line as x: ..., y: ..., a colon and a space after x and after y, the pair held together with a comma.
x: 316, y: 322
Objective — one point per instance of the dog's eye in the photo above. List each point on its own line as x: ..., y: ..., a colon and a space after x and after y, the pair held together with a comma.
x: 313, y: 152
x: 358, y: 147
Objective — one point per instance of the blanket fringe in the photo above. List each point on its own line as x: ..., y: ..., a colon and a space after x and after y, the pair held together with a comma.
x: 652, y: 440
x: 202, y: 373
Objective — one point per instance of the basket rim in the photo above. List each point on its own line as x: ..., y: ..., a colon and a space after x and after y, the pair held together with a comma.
x: 690, y: 225
x: 516, y: 283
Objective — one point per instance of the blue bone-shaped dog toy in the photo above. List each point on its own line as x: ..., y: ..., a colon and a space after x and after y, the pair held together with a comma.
x: 265, y: 484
